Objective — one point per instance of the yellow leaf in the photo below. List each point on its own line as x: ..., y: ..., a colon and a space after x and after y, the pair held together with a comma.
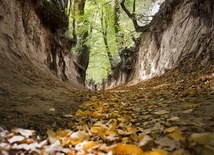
x: 141, y: 136
x: 95, y: 129
x: 171, y: 129
x: 99, y: 124
x: 155, y: 152
x: 122, y: 119
x: 95, y: 114
x: 125, y: 139
x: 65, y: 141
x: 63, y: 133
x: 89, y: 145
x: 115, y: 114
x: 93, y: 98
x: 176, y: 135
x: 78, y: 137
x: 189, y: 105
x: 127, y: 149
x: 87, y: 112
x: 75, y: 142
x: 101, y: 133
x: 109, y: 132
x: 113, y: 125
x: 80, y: 113
x: 134, y: 138
x: 131, y: 129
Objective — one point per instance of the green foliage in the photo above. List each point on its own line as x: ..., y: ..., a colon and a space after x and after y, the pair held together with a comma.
x: 98, y: 20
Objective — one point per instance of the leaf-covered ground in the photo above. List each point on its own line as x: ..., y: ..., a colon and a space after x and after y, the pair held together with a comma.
x: 172, y: 114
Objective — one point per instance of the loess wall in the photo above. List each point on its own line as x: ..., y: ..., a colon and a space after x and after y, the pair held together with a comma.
x: 180, y: 34
x: 30, y: 48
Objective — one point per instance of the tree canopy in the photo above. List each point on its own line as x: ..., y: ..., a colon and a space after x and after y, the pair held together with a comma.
x: 104, y: 27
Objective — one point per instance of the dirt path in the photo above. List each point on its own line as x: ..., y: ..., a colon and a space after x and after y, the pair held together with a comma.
x: 166, y: 110
x: 32, y: 99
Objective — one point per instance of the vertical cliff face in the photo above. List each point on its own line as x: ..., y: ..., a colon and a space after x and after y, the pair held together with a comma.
x: 30, y: 48
x: 180, y: 34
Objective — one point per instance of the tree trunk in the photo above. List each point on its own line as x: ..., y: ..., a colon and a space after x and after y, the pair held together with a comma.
x: 104, y: 32
x: 116, y: 21
x: 83, y: 49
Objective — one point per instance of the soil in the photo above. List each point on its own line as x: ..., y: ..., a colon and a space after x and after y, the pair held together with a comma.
x: 32, y: 99
x: 40, y: 103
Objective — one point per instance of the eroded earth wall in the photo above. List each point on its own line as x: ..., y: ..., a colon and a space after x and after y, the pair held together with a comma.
x: 180, y: 34
x: 29, y: 49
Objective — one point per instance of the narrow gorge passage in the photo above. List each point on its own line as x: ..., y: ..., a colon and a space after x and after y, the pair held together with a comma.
x: 163, y: 115
x: 159, y: 94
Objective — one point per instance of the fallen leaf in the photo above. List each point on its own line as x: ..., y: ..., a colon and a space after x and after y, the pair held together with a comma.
x: 174, y: 119
x: 131, y: 130
x: 203, y: 138
x: 127, y: 149
x: 168, y: 143
x: 188, y: 111
x: 78, y: 137
x: 80, y: 113
x: 24, y: 147
x: 190, y: 105
x: 24, y: 132
x: 122, y: 119
x: 95, y: 130
x: 96, y: 114
x: 176, y: 134
x: 89, y: 145
x: 74, y: 142
x: 113, y: 125
x: 146, y: 142
x: 63, y: 133
x: 155, y: 152
x: 162, y: 112
x: 179, y: 152
x: 125, y: 139
x: 171, y: 129
x: 51, y: 136
x: 112, y: 137
x: 5, y: 146
x: 109, y: 132
x: 52, y: 109
x: 16, y: 139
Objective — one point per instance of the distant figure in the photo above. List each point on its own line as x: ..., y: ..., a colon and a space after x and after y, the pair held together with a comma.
x: 95, y: 86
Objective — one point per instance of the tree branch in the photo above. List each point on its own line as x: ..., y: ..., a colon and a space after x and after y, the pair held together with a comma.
x: 133, y: 17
